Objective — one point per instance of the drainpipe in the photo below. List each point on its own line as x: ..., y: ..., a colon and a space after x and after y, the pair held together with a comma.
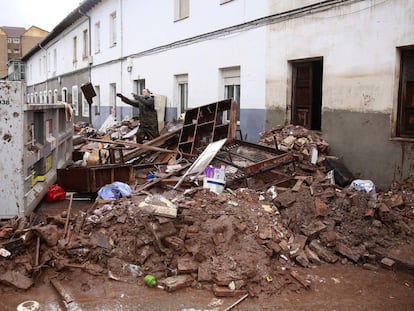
x: 89, y: 57
x: 47, y: 69
x: 122, y: 52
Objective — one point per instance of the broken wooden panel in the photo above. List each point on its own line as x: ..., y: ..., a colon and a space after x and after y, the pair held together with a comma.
x: 143, y: 155
x: 249, y: 159
x: 92, y: 178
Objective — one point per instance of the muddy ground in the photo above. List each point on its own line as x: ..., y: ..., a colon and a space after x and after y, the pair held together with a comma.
x: 339, y: 286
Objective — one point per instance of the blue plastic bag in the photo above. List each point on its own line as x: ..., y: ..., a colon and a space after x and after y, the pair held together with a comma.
x: 114, y: 191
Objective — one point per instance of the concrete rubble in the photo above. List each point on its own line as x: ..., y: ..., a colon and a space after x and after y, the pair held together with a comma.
x: 248, y: 239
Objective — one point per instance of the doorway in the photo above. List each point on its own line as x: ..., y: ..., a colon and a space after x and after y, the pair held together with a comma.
x: 307, y: 94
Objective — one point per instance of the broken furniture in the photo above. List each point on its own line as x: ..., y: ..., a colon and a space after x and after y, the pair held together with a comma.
x: 207, y: 124
x: 246, y: 159
x: 92, y: 178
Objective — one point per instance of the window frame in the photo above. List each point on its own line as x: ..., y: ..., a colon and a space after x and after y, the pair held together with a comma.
x: 75, y: 100
x: 112, y: 29
x: 85, y: 44
x: 231, y: 77
x: 97, y: 41
x: 75, y: 49
x: 182, y: 9
x: 97, y: 100
x: 85, y: 106
x: 64, y: 94
x: 182, y: 99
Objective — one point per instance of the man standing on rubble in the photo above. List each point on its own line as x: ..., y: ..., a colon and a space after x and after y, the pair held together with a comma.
x: 148, y: 128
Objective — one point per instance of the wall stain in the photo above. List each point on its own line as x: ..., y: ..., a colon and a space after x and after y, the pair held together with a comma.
x: 7, y: 137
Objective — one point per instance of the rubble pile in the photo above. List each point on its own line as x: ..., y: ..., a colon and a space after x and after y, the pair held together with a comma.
x: 235, y: 242
x: 253, y: 240
x: 294, y: 138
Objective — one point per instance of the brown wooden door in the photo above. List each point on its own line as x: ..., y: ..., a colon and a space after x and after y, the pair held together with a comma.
x: 406, y: 97
x: 307, y: 94
x: 302, y: 94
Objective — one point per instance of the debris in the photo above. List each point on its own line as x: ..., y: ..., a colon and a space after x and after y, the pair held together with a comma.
x: 281, y: 208
x: 150, y: 280
x: 174, y: 283
x: 114, y: 191
x: 236, y: 302
x: 299, y: 279
x: 387, y: 263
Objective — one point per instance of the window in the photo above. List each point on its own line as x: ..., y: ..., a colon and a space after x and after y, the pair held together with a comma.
x: 45, y: 97
x: 97, y: 101
x: 9, y: 40
x: 85, y: 107
x: 182, y: 93
x: 9, y: 51
x: 405, y: 114
x: 231, y: 82
x: 35, y: 97
x: 139, y: 85
x: 97, y: 41
x: 44, y: 64
x: 85, y: 50
x: 16, y: 51
x: 182, y: 9
x: 16, y: 40
x: 65, y: 94
x: 54, y: 61
x: 75, y: 48
x: 50, y: 99
x: 75, y: 104
x: 55, y: 96
x: 112, y: 29
x: 112, y: 97
x: 40, y: 98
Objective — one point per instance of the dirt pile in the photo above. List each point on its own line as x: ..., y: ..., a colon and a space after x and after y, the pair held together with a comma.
x: 244, y: 240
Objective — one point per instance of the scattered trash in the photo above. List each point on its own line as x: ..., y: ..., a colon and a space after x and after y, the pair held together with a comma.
x: 55, y: 193
x: 366, y: 185
x: 115, y: 191
x: 4, y: 252
x: 150, y: 280
x: 29, y: 305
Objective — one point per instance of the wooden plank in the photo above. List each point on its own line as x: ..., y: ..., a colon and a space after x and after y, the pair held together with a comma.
x: 297, y: 186
x: 126, y: 143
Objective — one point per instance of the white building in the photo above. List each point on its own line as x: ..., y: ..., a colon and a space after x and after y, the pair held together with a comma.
x: 345, y: 67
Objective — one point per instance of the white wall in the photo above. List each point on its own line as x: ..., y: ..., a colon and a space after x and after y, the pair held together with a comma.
x: 149, y: 24
x: 202, y: 62
x: 358, y: 45
x: 101, y: 13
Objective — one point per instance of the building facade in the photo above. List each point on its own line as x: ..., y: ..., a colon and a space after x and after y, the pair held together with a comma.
x: 342, y: 67
x: 15, y: 42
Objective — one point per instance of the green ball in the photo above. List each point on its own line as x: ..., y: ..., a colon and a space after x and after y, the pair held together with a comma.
x: 150, y: 280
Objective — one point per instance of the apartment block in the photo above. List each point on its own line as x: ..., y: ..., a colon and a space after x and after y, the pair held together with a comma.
x: 15, y: 42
